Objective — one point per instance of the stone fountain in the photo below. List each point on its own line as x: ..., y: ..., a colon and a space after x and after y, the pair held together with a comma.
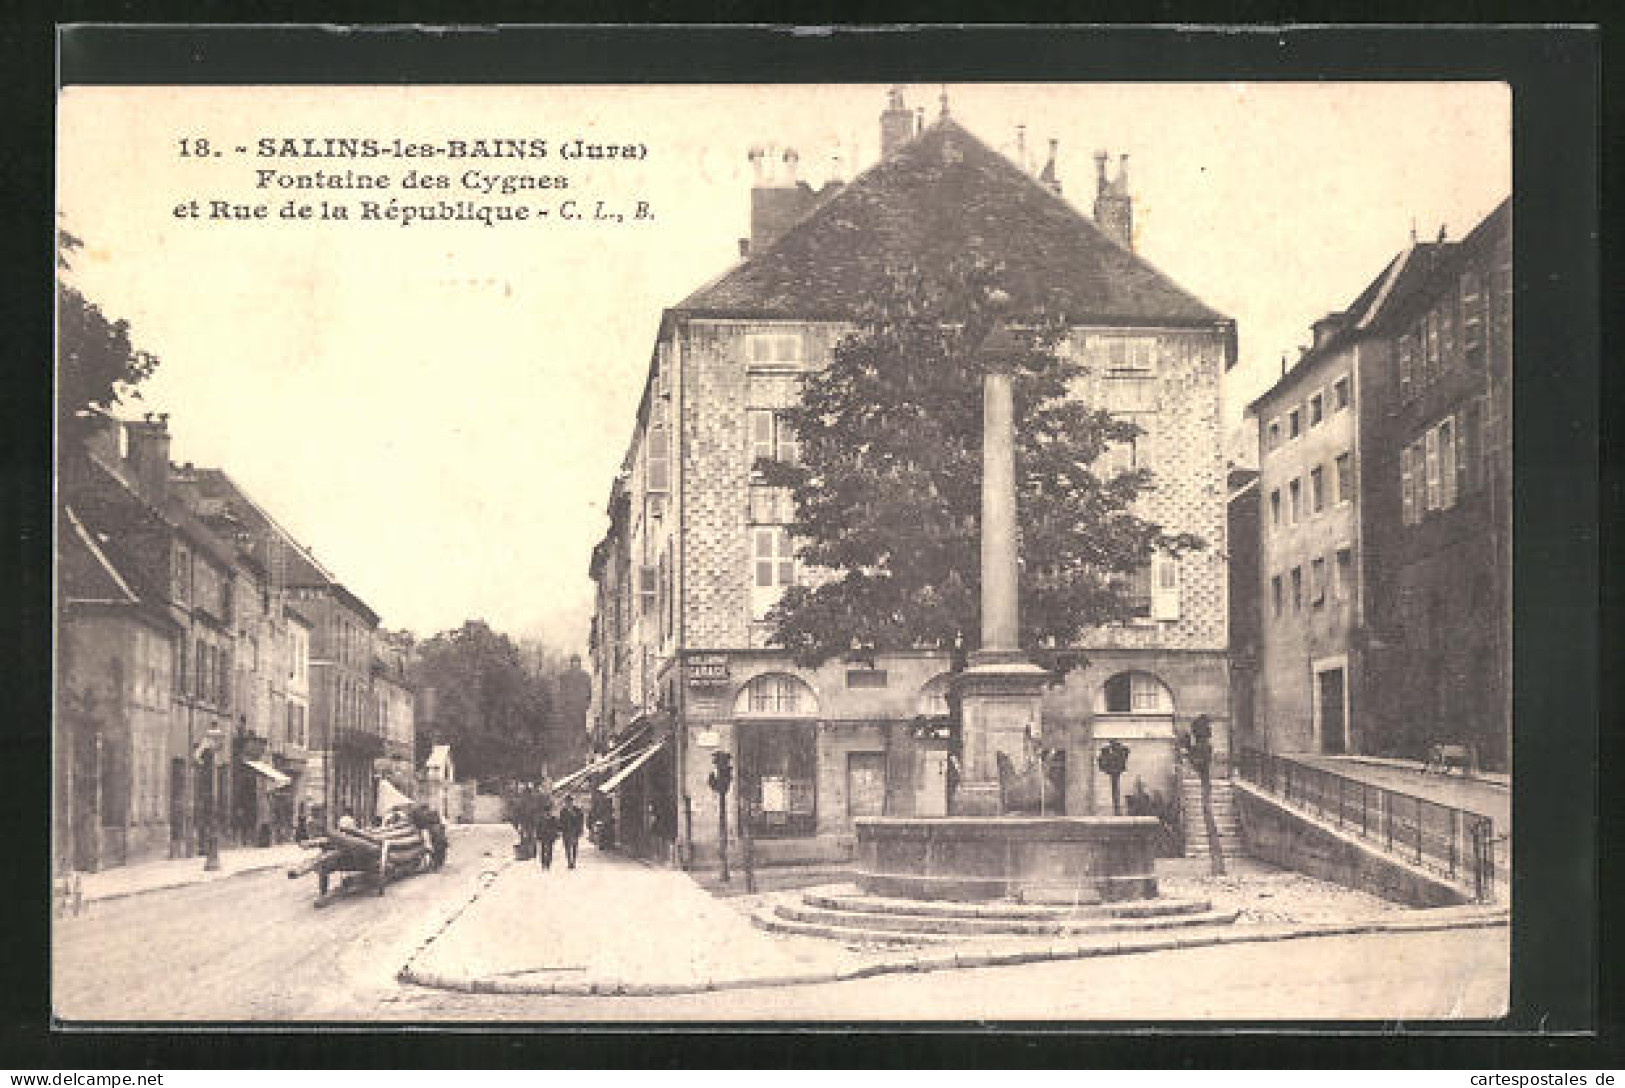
x: 979, y: 851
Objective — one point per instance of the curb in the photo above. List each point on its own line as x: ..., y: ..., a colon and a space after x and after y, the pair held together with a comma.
x: 172, y: 885
x: 977, y: 956
x: 483, y: 882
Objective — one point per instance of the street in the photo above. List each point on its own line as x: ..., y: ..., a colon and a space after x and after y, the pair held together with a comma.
x: 253, y: 948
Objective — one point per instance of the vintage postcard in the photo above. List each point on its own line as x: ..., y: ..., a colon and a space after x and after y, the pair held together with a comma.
x: 820, y: 552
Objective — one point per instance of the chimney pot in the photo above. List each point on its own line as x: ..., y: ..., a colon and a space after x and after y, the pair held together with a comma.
x: 896, y: 123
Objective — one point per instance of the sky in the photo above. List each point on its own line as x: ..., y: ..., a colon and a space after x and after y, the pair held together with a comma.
x: 437, y: 410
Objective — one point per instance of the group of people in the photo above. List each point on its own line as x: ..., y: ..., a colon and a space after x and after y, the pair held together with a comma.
x: 530, y: 810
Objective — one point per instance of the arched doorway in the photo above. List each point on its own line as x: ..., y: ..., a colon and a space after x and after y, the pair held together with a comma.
x: 1135, y: 708
x: 776, y: 723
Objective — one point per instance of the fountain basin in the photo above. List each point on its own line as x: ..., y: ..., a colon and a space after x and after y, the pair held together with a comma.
x: 1056, y: 859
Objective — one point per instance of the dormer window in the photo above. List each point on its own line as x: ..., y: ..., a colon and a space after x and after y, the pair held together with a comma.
x: 775, y: 349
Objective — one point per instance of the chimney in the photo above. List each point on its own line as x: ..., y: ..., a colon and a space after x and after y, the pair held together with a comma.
x: 1114, y: 208
x: 744, y: 248
x: 896, y: 123
x: 1021, y: 149
x: 149, y: 456
x: 1048, y: 175
x: 1327, y: 327
x: 102, y: 434
x: 919, y: 120
x: 776, y: 204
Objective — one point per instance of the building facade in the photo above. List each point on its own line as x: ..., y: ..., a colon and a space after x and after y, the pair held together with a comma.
x: 680, y: 644
x: 1383, y: 518
x: 184, y: 705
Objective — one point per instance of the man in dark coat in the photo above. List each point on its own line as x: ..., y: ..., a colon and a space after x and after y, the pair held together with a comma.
x: 547, y: 830
x: 570, y: 823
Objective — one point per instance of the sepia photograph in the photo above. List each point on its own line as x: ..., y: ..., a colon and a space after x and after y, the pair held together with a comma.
x: 797, y: 552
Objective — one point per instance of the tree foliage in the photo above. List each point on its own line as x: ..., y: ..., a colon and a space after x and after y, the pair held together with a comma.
x: 97, y: 364
x: 496, y: 703
x: 488, y: 706
x: 888, y: 478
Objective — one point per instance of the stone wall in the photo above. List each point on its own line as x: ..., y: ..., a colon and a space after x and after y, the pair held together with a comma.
x: 1293, y: 840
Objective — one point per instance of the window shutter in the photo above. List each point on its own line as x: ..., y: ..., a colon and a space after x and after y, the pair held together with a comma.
x: 1447, y: 463
x: 1164, y: 588
x: 1407, y: 485
x: 1431, y: 460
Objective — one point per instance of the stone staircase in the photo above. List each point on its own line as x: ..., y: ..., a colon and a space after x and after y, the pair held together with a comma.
x: 1224, y: 814
x: 843, y: 912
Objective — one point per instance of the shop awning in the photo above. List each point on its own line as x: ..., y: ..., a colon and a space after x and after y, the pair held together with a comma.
x: 604, y: 764
x: 274, y: 776
x: 609, y: 786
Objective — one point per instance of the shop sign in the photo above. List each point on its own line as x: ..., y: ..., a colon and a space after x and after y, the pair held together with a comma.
x: 706, y: 738
x: 708, y: 670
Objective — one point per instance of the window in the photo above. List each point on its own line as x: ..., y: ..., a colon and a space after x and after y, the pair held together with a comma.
x: 1315, y: 404
x: 775, y: 694
x: 1472, y: 317
x: 1295, y: 496
x: 1432, y: 462
x: 1130, y: 375
x: 1137, y: 592
x: 1447, y: 463
x: 1340, y: 394
x: 1274, y: 442
x: 657, y: 448
x: 865, y: 678
x: 1407, y: 363
x: 1345, y: 573
x: 1164, y: 588
x: 1275, y: 508
x: 1125, y: 456
x: 1297, y: 589
x: 1431, y: 344
x: 1136, y: 693
x: 1317, y: 581
x: 1472, y: 438
x: 773, y: 349
x: 1317, y: 488
x: 1294, y: 423
x: 1275, y: 593
x: 1447, y: 332
x: 771, y: 438
x: 774, y: 567
x: 1345, y: 478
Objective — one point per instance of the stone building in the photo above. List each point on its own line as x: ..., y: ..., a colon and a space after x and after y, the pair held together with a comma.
x: 1380, y: 512
x: 707, y: 549
x: 119, y: 489
x: 115, y: 676
x: 394, y: 700
x: 1444, y: 520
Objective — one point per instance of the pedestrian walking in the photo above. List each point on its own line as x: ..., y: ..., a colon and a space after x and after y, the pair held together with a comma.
x: 547, y: 831
x: 570, y: 823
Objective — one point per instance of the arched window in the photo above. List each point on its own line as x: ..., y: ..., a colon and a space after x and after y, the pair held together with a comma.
x: 776, y: 695
x: 1135, y: 693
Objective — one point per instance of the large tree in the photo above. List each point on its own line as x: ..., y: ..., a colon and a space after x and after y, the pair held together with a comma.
x: 887, y: 481
x: 98, y: 366
x: 490, y: 708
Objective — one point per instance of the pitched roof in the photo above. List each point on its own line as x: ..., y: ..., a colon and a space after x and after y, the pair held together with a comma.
x: 936, y: 198
x: 87, y: 574
x: 265, y: 535
x: 1372, y: 310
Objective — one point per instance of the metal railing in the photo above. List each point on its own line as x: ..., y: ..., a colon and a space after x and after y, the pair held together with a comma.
x: 1452, y: 842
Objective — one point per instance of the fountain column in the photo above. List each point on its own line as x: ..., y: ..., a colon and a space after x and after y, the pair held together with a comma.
x: 1000, y: 691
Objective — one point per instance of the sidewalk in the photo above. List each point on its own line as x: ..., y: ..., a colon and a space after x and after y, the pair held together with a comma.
x: 610, y: 925
x: 615, y: 926
x: 153, y: 876
x: 168, y: 873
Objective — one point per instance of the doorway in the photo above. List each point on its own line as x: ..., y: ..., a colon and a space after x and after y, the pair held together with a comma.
x: 1330, y: 705
x: 865, y: 784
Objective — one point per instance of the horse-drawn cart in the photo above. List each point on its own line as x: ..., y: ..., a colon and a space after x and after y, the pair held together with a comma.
x: 369, y: 857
